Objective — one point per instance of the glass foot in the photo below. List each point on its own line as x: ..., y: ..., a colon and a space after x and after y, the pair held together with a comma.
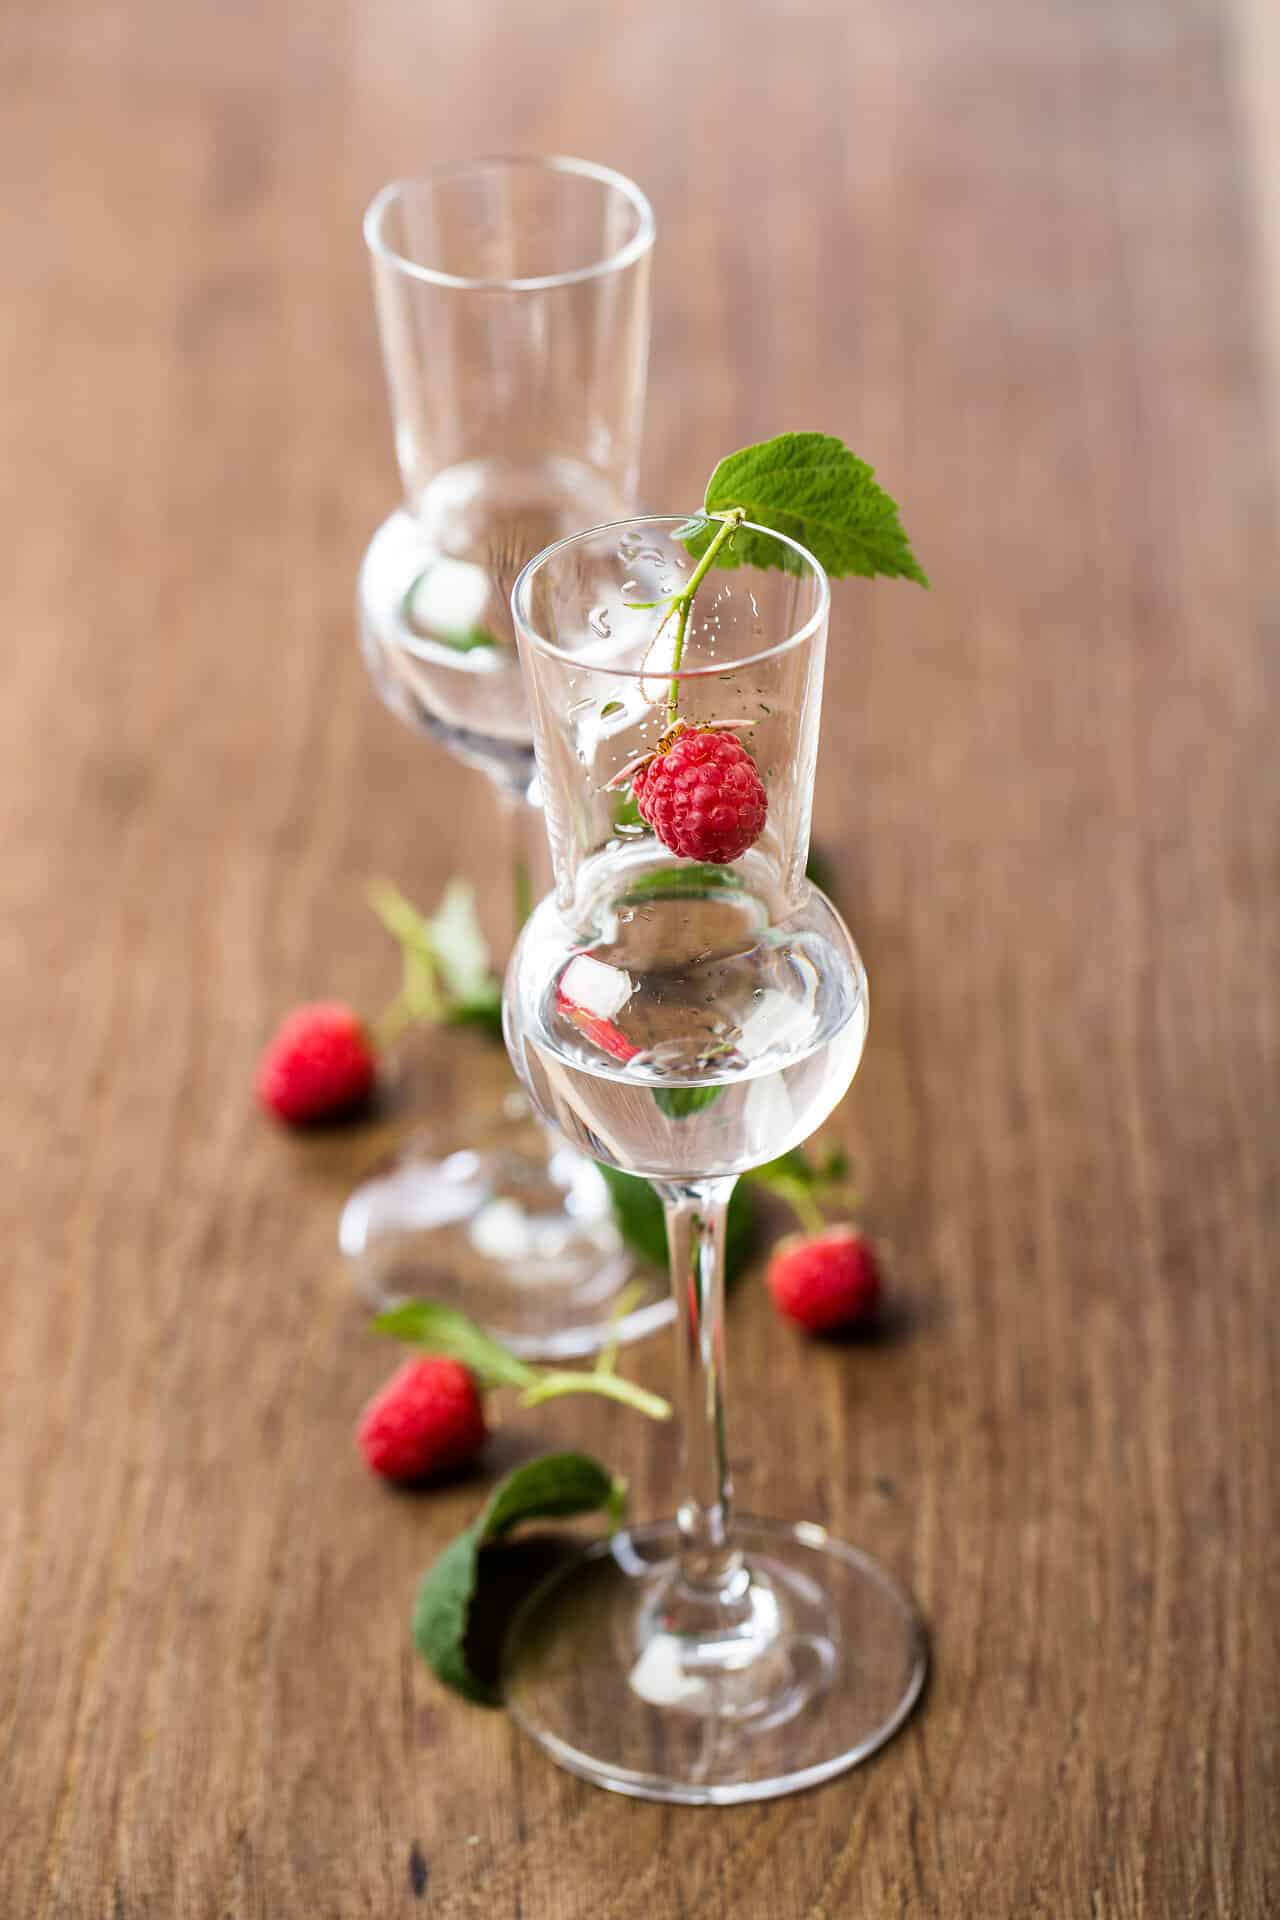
x: 516, y: 1230
x: 818, y: 1662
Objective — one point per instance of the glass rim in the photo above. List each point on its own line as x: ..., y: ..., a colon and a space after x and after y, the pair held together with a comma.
x: 624, y: 256
x: 525, y: 627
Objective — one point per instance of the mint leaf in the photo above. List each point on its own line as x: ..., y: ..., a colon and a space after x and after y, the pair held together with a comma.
x: 419, y: 620
x: 445, y: 961
x: 557, y: 1486
x: 623, y: 811
x: 553, y: 1487
x: 441, y: 1329
x: 637, y: 1212
x: 482, y: 1009
x: 820, y: 870
x: 811, y: 487
x: 679, y: 1102
x: 678, y: 883
x: 466, y: 639
x: 440, y: 1616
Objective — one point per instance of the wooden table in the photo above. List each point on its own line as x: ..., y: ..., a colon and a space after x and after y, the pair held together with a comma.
x: 1007, y: 248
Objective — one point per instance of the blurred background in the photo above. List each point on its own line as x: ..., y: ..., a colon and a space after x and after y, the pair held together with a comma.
x: 1024, y: 255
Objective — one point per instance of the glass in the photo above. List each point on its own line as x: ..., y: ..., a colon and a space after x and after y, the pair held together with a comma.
x: 688, y: 1022
x: 513, y: 302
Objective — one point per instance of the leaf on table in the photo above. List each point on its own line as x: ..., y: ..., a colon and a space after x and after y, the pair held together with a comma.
x: 441, y: 1329
x: 557, y: 1486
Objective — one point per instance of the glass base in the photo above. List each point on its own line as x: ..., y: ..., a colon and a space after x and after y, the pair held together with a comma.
x: 516, y: 1230
x: 610, y: 1669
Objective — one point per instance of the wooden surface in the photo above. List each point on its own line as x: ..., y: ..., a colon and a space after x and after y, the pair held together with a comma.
x: 1007, y: 249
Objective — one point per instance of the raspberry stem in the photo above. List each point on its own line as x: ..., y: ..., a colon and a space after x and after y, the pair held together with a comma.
x: 550, y: 1386
x: 682, y: 603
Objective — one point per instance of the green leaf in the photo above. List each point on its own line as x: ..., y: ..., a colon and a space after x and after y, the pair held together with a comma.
x: 467, y: 639
x: 609, y: 708
x: 637, y: 1211
x: 623, y: 810
x: 441, y: 1329
x: 553, y: 1487
x: 679, y: 1102
x: 557, y: 1486
x: 822, y: 873
x: 483, y: 1010
x: 679, y: 883
x: 459, y: 639
x: 739, y: 1233
x: 812, y: 488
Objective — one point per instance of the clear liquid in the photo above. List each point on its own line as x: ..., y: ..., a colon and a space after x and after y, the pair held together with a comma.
x: 688, y: 1037
x: 435, y: 593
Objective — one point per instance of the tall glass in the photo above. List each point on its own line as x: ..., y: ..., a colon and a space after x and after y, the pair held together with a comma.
x: 687, y: 1022
x: 513, y: 302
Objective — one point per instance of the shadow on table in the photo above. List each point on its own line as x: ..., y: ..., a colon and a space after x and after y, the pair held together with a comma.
x: 509, y: 1572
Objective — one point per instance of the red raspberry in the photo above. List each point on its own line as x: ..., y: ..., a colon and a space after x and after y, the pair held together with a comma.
x: 427, y: 1420
x: 825, y: 1280
x: 702, y: 795
x: 319, y: 1064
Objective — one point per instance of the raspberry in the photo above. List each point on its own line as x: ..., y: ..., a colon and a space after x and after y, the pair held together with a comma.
x: 427, y: 1420
x: 319, y: 1064
x: 702, y: 795
x: 825, y: 1280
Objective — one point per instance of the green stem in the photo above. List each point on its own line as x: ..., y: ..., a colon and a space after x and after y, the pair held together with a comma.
x: 522, y: 882
x: 552, y: 1385
x: 391, y: 1023
x: 683, y: 601
x: 806, y: 1209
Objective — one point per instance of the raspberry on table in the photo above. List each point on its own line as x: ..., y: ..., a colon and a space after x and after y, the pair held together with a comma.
x: 703, y: 796
x: 825, y: 1280
x: 427, y: 1420
x: 318, y: 1065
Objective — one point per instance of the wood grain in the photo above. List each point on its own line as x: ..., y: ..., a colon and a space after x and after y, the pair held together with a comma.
x: 1007, y: 249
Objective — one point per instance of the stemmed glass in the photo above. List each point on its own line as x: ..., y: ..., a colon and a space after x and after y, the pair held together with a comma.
x: 687, y: 1022
x: 513, y: 300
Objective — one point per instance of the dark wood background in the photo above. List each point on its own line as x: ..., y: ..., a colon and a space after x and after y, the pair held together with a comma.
x: 1006, y: 248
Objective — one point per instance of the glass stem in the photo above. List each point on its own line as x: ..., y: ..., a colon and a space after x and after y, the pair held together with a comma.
x: 695, y: 1211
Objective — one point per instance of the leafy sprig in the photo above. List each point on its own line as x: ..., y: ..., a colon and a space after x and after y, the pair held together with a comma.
x: 808, y: 487
x: 813, y: 489
x: 442, y: 1329
x: 807, y: 1185
x: 557, y: 1486
x: 446, y: 971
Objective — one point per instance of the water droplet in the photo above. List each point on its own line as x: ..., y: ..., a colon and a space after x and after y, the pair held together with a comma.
x: 598, y: 621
